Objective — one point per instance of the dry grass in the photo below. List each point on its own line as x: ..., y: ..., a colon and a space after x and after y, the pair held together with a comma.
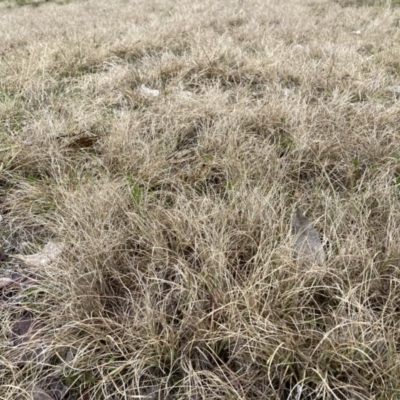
x: 177, y: 279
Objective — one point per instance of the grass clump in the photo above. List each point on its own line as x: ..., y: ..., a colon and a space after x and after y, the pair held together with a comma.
x: 162, y: 146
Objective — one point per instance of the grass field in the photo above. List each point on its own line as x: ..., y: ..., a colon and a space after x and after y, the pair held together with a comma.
x: 160, y: 147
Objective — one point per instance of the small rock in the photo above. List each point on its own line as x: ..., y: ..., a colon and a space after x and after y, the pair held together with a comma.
x: 307, y: 244
x: 39, y: 394
x: 5, y: 282
x: 149, y: 92
x: 394, y: 89
x: 50, y: 252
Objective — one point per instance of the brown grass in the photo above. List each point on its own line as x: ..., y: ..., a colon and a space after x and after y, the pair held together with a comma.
x: 177, y: 279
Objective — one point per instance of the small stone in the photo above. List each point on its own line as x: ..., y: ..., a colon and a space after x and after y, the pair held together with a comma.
x: 39, y: 394
x: 307, y: 244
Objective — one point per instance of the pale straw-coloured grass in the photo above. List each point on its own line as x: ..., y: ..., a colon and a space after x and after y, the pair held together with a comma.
x: 177, y: 278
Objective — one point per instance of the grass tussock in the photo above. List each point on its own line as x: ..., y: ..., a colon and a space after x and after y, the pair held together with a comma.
x: 176, y: 278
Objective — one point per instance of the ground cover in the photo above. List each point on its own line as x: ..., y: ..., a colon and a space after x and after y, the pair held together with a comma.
x: 151, y: 156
